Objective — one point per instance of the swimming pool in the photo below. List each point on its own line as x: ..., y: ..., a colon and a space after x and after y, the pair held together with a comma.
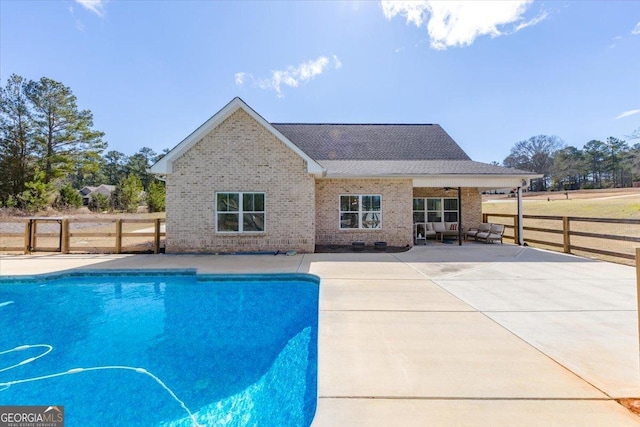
x: 151, y: 348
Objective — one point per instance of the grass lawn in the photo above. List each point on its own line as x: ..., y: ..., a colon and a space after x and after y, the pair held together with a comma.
x: 619, y: 203
x: 614, y: 203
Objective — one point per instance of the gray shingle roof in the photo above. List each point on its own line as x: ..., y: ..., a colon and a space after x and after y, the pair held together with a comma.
x: 348, y: 168
x: 372, y: 141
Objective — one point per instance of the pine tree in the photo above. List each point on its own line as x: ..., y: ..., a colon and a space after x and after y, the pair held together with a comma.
x: 17, y: 160
x: 113, y: 167
x: 139, y: 163
x: 63, y: 134
x: 99, y: 202
x: 68, y: 198
x: 156, y: 196
x: 37, y: 194
x: 130, y: 193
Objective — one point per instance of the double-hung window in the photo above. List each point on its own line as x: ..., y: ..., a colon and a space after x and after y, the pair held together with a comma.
x: 360, y: 211
x: 450, y: 210
x: 435, y: 209
x: 240, y: 212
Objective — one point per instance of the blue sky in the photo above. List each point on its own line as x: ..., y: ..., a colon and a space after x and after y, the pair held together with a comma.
x: 491, y: 73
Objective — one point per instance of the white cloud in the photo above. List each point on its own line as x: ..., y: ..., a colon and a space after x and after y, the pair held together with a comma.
x: 459, y: 23
x: 307, y: 70
x: 240, y: 78
x: 628, y: 113
x: 292, y: 76
x: 95, y: 6
x: 636, y: 30
x: 413, y: 10
x: 530, y: 23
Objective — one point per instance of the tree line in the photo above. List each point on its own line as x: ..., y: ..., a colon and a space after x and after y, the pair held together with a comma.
x: 598, y: 164
x: 49, y: 150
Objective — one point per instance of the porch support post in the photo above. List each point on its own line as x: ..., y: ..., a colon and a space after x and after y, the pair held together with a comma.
x: 638, y: 281
x: 520, y: 219
x: 459, y: 216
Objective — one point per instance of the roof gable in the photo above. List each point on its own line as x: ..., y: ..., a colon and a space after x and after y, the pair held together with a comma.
x: 165, y: 164
x: 418, y: 151
x: 87, y: 189
x: 105, y: 189
x: 373, y: 141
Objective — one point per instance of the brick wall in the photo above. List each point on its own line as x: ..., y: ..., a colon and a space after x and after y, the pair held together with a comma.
x: 240, y: 155
x: 397, y: 205
x: 471, y: 202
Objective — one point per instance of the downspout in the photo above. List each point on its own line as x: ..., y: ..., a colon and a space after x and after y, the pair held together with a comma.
x: 459, y: 216
x: 520, y: 222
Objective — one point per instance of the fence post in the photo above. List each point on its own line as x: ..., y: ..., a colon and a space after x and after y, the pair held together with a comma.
x: 516, y: 237
x: 65, y: 236
x: 118, y: 235
x: 34, y: 232
x: 27, y: 236
x: 485, y: 217
x: 566, y: 228
x: 156, y: 237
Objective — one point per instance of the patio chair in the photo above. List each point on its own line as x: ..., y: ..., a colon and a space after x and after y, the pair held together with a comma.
x: 484, y: 227
x: 493, y: 235
x: 422, y: 231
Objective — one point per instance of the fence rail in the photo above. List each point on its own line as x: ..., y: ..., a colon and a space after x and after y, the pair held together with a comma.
x: 65, y: 235
x: 591, y: 241
x: 559, y: 232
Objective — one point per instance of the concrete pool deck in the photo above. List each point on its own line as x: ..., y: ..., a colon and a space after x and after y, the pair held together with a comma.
x: 447, y: 335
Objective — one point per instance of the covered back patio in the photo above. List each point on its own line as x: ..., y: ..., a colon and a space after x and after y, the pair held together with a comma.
x: 455, y: 201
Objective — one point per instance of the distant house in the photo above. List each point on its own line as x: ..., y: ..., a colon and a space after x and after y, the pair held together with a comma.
x: 84, y: 193
x: 239, y: 183
x: 88, y: 191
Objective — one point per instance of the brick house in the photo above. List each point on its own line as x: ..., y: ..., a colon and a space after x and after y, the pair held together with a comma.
x: 241, y: 184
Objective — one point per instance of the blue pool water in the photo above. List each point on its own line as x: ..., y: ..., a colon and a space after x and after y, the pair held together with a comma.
x: 162, y: 349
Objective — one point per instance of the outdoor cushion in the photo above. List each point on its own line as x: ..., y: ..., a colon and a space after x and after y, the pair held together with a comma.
x: 494, y: 234
x: 446, y: 229
x: 451, y: 228
x: 484, y: 227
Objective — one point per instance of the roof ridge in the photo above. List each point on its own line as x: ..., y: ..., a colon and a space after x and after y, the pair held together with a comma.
x: 359, y: 124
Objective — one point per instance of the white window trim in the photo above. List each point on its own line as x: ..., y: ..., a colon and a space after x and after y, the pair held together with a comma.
x: 359, y: 212
x: 240, y: 212
x: 442, y: 209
